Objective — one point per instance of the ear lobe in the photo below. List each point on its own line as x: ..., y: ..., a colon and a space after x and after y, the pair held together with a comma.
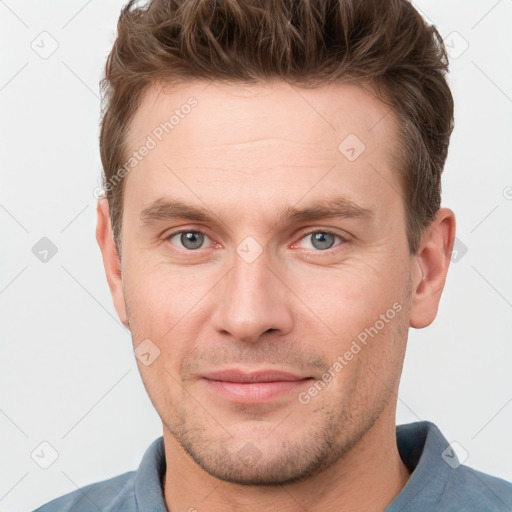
x: 111, y: 259
x: 432, y: 262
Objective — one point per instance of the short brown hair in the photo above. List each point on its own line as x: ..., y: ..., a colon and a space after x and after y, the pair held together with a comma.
x: 384, y: 43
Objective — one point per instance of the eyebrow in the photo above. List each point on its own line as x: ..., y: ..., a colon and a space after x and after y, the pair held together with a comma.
x: 337, y: 207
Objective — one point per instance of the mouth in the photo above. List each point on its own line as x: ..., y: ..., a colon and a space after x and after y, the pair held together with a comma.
x: 258, y: 387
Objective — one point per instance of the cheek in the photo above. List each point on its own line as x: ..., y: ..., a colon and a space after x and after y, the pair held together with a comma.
x: 165, y: 293
x: 350, y: 296
x: 168, y: 305
x: 365, y: 363
x: 358, y: 320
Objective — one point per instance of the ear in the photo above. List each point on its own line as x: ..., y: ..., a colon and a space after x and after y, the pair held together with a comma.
x: 111, y: 259
x: 431, y: 267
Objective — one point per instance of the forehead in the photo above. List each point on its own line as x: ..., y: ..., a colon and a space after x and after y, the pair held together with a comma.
x: 238, y: 113
x: 272, y: 135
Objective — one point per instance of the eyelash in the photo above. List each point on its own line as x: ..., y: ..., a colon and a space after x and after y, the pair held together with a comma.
x: 309, y: 233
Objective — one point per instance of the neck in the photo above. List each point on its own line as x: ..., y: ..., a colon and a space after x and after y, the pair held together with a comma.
x: 366, y: 478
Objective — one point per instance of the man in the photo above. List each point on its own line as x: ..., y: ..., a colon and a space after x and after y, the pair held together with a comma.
x: 270, y: 230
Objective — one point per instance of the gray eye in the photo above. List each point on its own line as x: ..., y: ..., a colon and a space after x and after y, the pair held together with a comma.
x: 191, y: 239
x: 322, y: 240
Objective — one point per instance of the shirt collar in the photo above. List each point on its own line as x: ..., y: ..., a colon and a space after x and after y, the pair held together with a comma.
x: 424, y: 450
x: 149, y: 477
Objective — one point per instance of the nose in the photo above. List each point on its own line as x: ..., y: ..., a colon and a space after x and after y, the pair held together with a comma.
x: 251, y: 300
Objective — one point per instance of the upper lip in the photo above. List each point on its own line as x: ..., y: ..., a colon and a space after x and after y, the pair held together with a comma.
x: 238, y: 375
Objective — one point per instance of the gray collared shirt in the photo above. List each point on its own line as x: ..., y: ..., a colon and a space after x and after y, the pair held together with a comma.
x: 438, y: 482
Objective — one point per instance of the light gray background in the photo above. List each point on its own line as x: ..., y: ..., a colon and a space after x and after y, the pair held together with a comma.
x: 68, y: 374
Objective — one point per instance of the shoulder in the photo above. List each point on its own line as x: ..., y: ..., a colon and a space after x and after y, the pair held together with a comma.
x: 439, y: 481
x: 114, y: 494
x: 478, y: 491
x: 129, y: 492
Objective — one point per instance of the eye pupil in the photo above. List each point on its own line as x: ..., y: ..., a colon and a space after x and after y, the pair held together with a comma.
x: 191, y: 239
x: 322, y: 240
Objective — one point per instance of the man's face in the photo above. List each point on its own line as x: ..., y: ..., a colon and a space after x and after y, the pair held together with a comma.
x: 253, y: 288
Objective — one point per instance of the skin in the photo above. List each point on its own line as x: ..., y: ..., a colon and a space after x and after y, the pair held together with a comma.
x: 245, y: 153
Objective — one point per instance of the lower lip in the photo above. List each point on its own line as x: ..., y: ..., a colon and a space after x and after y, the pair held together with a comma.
x: 254, y: 392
